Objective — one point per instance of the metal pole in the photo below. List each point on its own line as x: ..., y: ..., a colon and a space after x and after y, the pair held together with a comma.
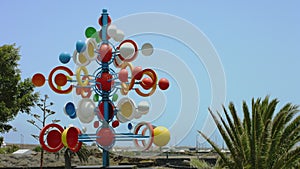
x: 105, y: 94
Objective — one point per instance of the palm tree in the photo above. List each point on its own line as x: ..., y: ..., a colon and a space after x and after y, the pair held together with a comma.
x: 264, y: 139
x: 82, y: 154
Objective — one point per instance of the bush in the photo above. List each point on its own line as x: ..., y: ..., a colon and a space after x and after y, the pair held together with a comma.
x: 12, y: 148
x: 9, y: 149
x: 37, y: 149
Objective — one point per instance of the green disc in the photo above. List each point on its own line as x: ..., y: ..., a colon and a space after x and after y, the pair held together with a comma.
x: 96, y: 98
x: 89, y: 32
x: 115, y: 97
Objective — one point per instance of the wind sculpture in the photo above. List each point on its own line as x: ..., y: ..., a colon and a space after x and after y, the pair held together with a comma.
x: 98, y: 92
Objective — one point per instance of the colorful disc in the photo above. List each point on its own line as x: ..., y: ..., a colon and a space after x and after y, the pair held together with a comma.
x: 161, y: 136
x: 70, y: 110
x: 38, y: 80
x: 91, y: 45
x: 128, y: 50
x: 147, y: 49
x: 102, y: 111
x: 64, y: 57
x: 86, y: 110
x: 126, y: 110
x: 89, y: 32
x: 105, y: 137
x: 52, y: 136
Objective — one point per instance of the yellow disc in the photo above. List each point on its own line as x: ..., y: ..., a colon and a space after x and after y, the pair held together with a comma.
x: 64, y: 137
x: 161, y: 136
x: 82, y: 59
x: 91, y: 50
x: 126, y: 109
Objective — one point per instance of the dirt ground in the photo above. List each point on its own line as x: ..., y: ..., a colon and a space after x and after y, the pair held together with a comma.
x: 10, y: 160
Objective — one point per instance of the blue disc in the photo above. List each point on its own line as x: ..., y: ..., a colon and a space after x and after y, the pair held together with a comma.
x: 129, y: 126
x: 70, y: 110
x: 64, y: 57
x: 80, y: 46
x: 73, y: 116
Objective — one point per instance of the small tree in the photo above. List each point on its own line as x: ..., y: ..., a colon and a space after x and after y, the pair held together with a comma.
x: 39, y: 121
x: 15, y: 95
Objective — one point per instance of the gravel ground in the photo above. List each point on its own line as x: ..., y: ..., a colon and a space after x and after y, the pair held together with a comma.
x: 10, y: 160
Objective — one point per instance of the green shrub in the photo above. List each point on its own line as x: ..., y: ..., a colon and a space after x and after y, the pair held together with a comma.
x: 2, y: 150
x: 12, y: 148
x: 37, y: 149
x: 9, y: 149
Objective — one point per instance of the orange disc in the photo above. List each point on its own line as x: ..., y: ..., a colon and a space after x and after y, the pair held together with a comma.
x: 60, y: 79
x: 38, y: 80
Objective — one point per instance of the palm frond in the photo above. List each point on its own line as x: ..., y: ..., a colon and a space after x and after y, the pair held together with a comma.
x: 264, y: 138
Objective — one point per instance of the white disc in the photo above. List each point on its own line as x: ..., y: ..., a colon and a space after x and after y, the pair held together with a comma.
x: 147, y: 49
x: 85, y: 111
x: 119, y: 36
x: 112, y: 30
x: 143, y: 107
x: 127, y: 50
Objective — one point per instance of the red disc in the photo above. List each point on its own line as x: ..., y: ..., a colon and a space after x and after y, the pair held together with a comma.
x: 105, y: 137
x: 60, y: 79
x: 96, y: 124
x: 38, y: 80
x: 72, y: 137
x: 54, y: 138
x: 115, y: 123
x: 101, y: 23
x: 42, y: 142
x: 105, y: 52
x: 110, y: 111
x: 147, y: 83
x: 73, y: 144
x: 104, y: 82
x: 163, y: 84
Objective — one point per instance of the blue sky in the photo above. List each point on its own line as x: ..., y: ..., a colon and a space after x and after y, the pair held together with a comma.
x: 257, y: 44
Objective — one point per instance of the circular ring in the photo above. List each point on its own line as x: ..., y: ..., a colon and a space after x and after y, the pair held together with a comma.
x: 117, y: 61
x: 153, y: 76
x: 41, y: 138
x: 147, y: 145
x: 85, y: 92
x: 78, y: 76
x: 58, y: 90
